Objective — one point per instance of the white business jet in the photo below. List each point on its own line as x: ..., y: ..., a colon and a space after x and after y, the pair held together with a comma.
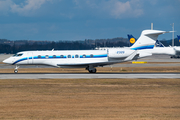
x: 88, y: 59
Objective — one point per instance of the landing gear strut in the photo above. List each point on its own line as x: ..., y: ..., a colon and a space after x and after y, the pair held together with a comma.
x: 16, y: 69
x: 91, y: 69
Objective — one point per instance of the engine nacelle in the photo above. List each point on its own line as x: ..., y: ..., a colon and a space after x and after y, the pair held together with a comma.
x: 119, y: 53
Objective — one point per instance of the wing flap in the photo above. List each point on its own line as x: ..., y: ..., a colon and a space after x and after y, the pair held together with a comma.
x: 84, y: 64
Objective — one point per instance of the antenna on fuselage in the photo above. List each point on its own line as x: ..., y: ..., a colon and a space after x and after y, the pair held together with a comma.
x: 53, y: 49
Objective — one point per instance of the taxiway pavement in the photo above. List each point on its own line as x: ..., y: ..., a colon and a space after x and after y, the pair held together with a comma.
x: 154, y: 58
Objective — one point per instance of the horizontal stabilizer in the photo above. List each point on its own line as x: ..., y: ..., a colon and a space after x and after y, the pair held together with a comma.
x: 154, y: 32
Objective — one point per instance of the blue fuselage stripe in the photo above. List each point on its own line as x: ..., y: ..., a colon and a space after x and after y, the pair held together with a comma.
x: 143, y: 47
x: 20, y: 60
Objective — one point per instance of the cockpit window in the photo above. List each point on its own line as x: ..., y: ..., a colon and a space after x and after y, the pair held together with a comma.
x: 18, y: 55
x: 14, y: 55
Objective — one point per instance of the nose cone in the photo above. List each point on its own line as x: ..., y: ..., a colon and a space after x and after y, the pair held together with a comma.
x: 8, y: 61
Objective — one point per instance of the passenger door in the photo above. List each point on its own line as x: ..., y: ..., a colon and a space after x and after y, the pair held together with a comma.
x: 30, y: 57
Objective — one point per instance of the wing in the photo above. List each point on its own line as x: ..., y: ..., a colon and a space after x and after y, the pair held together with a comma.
x: 84, y: 65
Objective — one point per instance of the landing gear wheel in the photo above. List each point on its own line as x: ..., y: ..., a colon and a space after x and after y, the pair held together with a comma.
x: 15, y: 71
x: 92, y: 71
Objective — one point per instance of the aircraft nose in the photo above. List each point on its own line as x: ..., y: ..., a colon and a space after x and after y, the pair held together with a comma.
x: 8, y: 61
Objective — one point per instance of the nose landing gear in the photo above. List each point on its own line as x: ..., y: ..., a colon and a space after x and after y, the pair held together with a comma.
x: 16, y: 69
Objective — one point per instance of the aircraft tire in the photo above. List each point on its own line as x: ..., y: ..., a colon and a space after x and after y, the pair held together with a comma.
x: 92, y: 71
x: 15, y: 71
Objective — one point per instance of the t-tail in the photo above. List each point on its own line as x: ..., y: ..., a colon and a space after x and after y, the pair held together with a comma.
x: 132, y: 40
x: 147, y: 39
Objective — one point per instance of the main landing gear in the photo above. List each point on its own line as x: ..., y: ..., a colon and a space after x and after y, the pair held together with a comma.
x: 16, y: 69
x: 91, y: 69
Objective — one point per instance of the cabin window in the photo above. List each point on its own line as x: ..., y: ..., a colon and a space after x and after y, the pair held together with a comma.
x: 91, y: 55
x: 46, y: 56
x: 39, y: 56
x: 61, y: 56
x: 76, y: 56
x: 84, y: 56
x: 69, y: 56
x: 54, y: 56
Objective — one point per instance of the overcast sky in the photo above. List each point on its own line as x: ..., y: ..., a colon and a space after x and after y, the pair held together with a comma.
x: 85, y: 19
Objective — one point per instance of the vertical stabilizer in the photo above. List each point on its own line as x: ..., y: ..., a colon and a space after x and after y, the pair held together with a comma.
x: 158, y: 44
x: 178, y: 36
x: 132, y: 39
x: 147, y: 39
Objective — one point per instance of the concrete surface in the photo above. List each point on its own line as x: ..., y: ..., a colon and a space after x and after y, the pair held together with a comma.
x: 81, y: 76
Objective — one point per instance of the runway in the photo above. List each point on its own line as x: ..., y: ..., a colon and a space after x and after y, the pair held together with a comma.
x: 154, y: 58
x: 88, y: 76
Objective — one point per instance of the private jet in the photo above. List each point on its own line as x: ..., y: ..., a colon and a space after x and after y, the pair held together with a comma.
x: 89, y: 59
